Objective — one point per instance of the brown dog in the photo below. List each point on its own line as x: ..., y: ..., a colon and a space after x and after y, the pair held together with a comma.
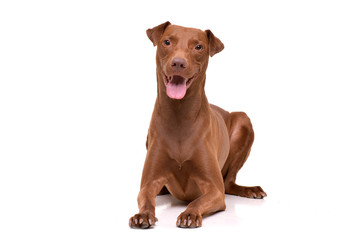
x: 194, y: 149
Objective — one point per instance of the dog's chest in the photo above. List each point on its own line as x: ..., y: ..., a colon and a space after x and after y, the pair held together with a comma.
x: 181, y: 151
x: 181, y: 183
x: 180, y: 143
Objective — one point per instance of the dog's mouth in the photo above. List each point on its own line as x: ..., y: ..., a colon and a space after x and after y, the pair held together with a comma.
x: 177, y: 85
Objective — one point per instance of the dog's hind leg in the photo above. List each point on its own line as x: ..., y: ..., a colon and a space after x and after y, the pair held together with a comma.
x: 241, y: 139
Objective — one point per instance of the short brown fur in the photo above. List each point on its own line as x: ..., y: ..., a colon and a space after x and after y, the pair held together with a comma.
x: 194, y: 149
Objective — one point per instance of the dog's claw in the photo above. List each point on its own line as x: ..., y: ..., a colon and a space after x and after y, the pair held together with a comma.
x: 263, y: 194
x: 189, y: 222
x: 197, y: 223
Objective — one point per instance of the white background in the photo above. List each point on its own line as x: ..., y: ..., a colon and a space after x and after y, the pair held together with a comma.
x: 77, y: 88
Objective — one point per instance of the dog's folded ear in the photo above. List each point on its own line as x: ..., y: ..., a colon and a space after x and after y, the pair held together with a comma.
x: 155, y: 33
x: 215, y: 45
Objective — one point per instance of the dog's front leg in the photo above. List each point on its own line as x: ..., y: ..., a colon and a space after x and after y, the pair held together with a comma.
x: 146, y: 202
x: 213, y: 200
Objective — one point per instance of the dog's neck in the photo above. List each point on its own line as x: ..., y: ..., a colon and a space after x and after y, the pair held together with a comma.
x: 184, y: 110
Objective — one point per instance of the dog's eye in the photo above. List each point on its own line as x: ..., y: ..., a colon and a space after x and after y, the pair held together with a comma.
x: 198, y: 47
x: 167, y: 42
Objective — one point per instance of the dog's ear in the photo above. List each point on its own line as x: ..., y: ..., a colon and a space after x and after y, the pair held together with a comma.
x: 155, y: 33
x: 215, y: 45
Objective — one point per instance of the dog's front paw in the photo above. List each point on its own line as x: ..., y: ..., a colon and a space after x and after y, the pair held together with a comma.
x: 189, y: 220
x: 142, y: 220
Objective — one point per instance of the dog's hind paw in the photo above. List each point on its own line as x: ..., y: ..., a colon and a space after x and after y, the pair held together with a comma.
x: 242, y: 191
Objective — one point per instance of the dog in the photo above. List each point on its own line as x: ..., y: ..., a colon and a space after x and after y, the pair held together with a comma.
x: 194, y: 149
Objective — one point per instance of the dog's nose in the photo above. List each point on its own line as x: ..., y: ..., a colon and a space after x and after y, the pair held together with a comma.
x: 178, y: 64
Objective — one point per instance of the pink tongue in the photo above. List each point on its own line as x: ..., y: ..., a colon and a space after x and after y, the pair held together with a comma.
x: 176, y: 89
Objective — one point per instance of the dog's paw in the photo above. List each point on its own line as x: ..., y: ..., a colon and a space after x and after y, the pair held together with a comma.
x: 242, y: 191
x: 189, y: 220
x: 142, y: 220
x: 254, y: 192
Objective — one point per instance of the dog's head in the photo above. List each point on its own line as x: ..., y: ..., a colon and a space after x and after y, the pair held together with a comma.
x: 182, y: 56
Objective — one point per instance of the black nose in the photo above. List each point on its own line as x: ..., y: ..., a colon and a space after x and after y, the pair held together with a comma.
x: 178, y: 64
